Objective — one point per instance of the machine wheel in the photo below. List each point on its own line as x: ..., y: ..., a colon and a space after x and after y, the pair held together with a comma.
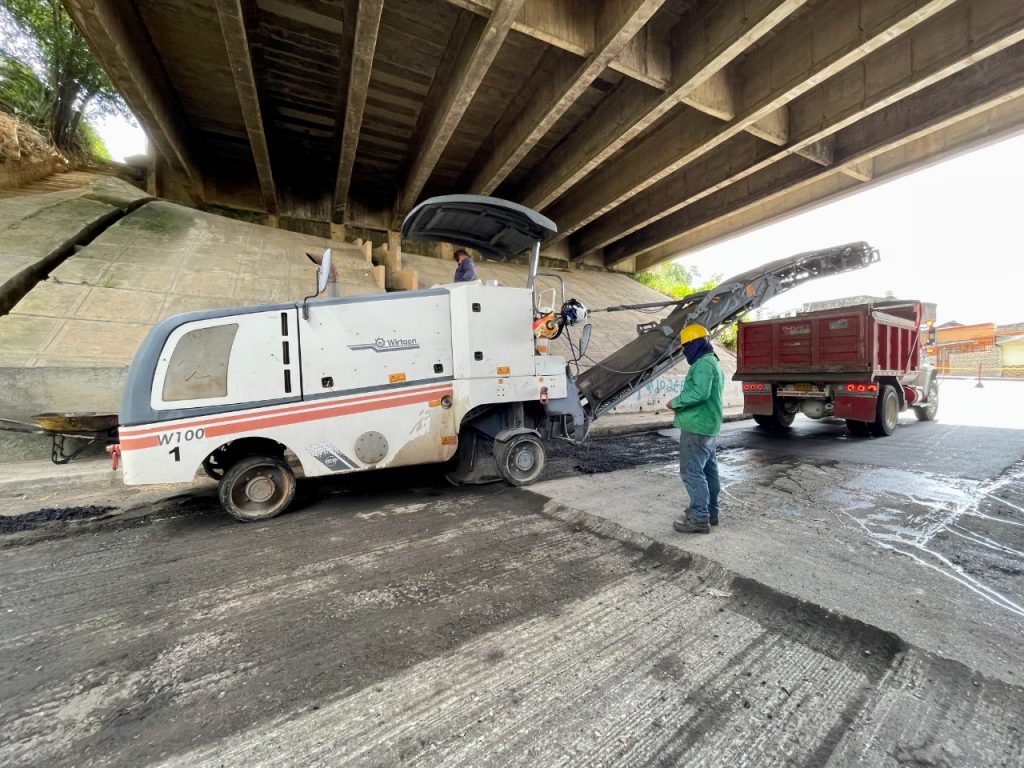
x: 257, y: 488
x: 928, y: 411
x: 858, y: 428
x: 887, y: 413
x: 520, y: 460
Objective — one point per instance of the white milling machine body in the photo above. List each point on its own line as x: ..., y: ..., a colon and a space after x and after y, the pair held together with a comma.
x: 449, y: 374
x: 355, y: 383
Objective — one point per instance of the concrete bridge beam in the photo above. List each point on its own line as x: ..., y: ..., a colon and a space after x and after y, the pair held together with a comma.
x: 818, y: 45
x: 564, y: 24
x: 118, y: 38
x: 364, y: 44
x: 975, y: 106
x: 704, y: 50
x: 946, y: 44
x: 556, y: 91
x: 234, y: 26
x: 471, y: 61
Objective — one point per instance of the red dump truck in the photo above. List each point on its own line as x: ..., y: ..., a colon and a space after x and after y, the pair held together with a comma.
x: 861, y: 363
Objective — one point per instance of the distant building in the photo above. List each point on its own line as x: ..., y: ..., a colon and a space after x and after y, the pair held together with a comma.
x: 1010, y: 342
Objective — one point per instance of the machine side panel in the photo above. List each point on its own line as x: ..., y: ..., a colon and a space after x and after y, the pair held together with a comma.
x: 492, y: 331
x: 352, y: 347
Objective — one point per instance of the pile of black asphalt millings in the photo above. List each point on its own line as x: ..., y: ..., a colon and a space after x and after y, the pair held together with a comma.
x: 30, y: 520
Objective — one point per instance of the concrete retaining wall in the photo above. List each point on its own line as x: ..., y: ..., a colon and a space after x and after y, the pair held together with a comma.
x: 29, y: 391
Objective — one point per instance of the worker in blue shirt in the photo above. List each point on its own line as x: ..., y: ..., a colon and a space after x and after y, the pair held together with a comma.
x: 466, y: 270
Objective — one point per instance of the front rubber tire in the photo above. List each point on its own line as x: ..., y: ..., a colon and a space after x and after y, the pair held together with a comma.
x: 887, y: 412
x: 930, y: 411
x: 257, y: 488
x: 520, y: 460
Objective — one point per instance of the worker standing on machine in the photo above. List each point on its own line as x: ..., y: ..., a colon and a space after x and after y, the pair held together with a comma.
x: 465, y: 270
x: 698, y: 416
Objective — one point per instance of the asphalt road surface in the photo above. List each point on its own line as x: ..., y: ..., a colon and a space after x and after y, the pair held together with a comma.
x: 391, y: 620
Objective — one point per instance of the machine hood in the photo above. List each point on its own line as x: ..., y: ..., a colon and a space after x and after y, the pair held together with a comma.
x: 497, y: 228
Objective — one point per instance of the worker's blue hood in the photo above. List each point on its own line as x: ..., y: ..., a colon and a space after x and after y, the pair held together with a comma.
x: 497, y: 228
x: 696, y: 349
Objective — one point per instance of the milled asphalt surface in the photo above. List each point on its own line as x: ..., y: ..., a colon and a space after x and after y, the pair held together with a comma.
x: 850, y: 610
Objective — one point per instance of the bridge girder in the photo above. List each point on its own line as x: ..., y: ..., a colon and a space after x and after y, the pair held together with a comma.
x: 644, y: 128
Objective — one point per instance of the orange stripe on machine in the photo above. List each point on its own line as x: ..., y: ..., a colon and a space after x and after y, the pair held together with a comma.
x: 150, y: 437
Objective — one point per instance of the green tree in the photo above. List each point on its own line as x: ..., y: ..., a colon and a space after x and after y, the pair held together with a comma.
x: 678, y: 281
x: 40, y: 36
x: 675, y: 280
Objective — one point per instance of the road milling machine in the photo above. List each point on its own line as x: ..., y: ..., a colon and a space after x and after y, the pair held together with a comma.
x: 458, y: 374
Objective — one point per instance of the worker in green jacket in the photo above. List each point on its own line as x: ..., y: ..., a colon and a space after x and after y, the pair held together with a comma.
x: 698, y: 416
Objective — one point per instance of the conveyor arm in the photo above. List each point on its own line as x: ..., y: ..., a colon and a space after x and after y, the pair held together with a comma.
x: 657, y: 349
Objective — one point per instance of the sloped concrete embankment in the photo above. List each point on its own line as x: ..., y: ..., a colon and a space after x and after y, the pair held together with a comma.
x: 67, y: 343
x: 41, y: 231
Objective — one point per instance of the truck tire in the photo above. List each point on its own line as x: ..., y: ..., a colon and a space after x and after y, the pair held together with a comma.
x: 887, y: 412
x: 520, y: 459
x: 257, y: 488
x: 930, y: 409
x: 778, y: 419
x: 858, y: 428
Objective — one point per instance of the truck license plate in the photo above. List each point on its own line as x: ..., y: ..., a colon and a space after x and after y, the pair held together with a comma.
x: 803, y: 387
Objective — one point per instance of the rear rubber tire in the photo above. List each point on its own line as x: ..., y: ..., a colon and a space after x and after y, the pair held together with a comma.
x: 929, y: 411
x: 520, y: 460
x: 257, y: 488
x: 887, y: 412
x: 778, y: 419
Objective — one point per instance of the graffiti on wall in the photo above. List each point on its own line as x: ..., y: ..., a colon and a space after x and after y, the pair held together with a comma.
x: 653, y: 395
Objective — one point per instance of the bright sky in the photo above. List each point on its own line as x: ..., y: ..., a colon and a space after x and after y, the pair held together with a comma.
x: 122, y: 137
x: 951, y: 234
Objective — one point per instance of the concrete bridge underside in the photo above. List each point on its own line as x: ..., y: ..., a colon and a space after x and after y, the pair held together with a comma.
x: 644, y: 128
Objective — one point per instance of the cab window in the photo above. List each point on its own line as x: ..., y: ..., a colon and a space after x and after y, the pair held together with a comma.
x: 198, y: 368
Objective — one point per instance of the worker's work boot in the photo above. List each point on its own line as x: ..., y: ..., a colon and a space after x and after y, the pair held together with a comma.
x: 686, y: 525
x: 713, y: 520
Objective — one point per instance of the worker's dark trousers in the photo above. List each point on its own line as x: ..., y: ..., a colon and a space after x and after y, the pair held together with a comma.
x: 699, y: 470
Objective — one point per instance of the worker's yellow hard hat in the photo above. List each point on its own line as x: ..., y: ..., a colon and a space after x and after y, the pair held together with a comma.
x: 691, y: 332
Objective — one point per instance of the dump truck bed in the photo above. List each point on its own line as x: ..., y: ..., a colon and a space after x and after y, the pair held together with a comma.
x: 857, y: 342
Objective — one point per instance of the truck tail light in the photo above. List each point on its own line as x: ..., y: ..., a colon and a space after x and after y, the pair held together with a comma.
x: 861, y: 388
x: 753, y: 387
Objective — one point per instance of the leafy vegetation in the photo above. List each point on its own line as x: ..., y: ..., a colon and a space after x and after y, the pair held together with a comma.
x: 678, y: 281
x: 48, y: 76
x: 674, y: 280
